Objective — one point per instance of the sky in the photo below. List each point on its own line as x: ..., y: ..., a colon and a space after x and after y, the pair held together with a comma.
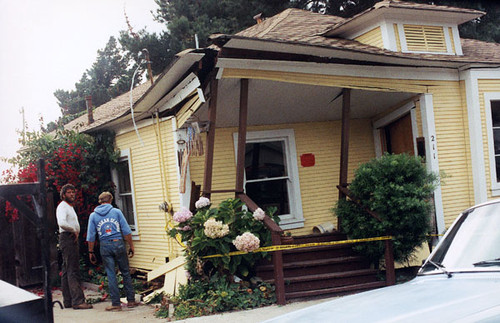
x: 47, y: 45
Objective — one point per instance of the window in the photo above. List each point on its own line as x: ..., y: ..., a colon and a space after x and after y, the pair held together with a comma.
x: 271, y: 174
x: 492, y: 109
x: 124, y: 194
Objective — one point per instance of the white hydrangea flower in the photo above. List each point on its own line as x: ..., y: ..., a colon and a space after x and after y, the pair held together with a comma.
x: 215, y: 229
x: 259, y: 214
x: 202, y: 202
x: 246, y: 242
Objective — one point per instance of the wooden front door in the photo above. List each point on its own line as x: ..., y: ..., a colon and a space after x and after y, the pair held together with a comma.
x: 397, y: 137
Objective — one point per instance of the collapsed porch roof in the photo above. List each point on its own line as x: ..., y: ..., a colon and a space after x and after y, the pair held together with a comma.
x: 274, y: 102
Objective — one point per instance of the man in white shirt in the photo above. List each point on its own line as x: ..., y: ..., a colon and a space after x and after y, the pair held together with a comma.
x: 69, y: 229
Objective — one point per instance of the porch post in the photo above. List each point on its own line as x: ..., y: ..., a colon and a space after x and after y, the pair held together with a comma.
x: 344, y: 145
x: 242, y: 136
x: 209, y: 156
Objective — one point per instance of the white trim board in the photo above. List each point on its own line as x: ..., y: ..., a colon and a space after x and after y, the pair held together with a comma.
x: 431, y: 154
x: 405, y: 73
x: 488, y: 97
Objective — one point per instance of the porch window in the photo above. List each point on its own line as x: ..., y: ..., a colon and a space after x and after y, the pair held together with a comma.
x: 492, y: 106
x: 124, y: 190
x: 271, y: 174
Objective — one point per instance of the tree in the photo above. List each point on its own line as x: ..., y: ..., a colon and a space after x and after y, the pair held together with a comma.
x: 160, y: 54
x: 109, y: 76
x: 485, y: 28
x: 187, y: 18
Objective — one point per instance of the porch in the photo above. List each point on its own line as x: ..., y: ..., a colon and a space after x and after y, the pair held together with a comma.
x: 298, y: 142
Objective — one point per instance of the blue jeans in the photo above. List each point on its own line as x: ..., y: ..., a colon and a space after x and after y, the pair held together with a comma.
x: 113, y: 253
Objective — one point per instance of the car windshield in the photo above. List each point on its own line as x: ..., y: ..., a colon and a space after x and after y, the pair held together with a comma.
x: 472, y: 244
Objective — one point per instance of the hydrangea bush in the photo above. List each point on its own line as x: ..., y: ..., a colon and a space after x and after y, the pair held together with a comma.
x: 212, y: 231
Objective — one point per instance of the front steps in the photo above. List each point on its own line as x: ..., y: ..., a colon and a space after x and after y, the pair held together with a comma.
x: 322, y: 271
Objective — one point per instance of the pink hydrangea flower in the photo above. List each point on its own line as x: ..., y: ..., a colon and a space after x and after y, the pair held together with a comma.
x: 259, y: 214
x: 182, y: 215
x: 202, y: 202
x: 246, y: 242
x: 185, y: 228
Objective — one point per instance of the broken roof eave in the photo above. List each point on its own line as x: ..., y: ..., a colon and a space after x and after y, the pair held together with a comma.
x: 162, y: 86
x: 339, y: 53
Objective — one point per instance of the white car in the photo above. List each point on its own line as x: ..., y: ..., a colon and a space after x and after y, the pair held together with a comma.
x: 459, y: 282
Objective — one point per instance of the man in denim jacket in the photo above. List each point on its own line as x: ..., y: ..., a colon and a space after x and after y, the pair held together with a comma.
x: 110, y: 224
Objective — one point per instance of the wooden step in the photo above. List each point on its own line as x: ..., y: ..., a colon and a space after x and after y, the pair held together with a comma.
x: 335, y: 290
x: 315, y: 267
x: 330, y: 280
x: 318, y: 252
x: 334, y: 236
x: 311, y: 253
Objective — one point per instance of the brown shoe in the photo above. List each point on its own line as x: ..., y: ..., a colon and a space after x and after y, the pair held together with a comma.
x: 133, y: 304
x: 114, y: 308
x: 82, y: 306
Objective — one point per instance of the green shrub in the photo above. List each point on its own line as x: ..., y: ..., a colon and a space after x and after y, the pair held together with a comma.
x: 205, y: 297
x: 399, y: 189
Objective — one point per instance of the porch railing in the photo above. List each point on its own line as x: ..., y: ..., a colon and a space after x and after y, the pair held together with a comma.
x: 277, y: 256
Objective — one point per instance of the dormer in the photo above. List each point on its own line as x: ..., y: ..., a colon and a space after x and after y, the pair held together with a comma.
x: 407, y: 27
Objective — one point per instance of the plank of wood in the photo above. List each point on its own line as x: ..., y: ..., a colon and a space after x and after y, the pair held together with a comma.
x: 169, y: 266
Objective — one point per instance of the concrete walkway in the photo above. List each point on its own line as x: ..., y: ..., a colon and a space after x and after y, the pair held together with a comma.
x: 145, y: 313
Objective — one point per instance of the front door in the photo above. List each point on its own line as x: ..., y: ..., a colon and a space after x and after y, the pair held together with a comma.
x: 397, y: 137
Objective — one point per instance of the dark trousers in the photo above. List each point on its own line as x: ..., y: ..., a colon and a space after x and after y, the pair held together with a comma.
x: 70, y: 279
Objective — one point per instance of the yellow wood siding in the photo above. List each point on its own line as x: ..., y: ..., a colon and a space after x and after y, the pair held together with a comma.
x: 317, y: 183
x: 398, y: 40
x: 452, y: 137
x: 153, y: 244
x: 425, y: 38
x: 372, y: 37
x: 484, y: 87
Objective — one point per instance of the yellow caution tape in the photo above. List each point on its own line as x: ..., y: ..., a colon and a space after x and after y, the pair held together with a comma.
x: 298, y: 246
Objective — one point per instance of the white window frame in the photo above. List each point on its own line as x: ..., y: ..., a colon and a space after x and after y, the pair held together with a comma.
x: 125, y: 155
x: 295, y: 219
x: 488, y: 97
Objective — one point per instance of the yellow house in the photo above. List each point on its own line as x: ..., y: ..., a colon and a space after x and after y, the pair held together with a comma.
x: 309, y: 97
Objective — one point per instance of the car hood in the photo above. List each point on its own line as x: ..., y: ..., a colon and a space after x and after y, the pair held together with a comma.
x: 465, y: 297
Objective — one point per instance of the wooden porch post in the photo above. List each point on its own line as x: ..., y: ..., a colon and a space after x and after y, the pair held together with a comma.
x: 242, y: 136
x: 209, y: 156
x: 344, y: 144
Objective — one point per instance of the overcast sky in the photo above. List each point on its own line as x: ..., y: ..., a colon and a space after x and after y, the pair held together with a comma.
x: 48, y: 45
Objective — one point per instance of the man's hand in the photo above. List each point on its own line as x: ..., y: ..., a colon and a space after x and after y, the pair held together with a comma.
x: 131, y: 252
x: 76, y: 234
x: 92, y: 258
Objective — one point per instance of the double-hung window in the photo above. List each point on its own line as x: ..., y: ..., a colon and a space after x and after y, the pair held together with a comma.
x: 271, y: 174
x: 124, y: 194
x: 492, y: 109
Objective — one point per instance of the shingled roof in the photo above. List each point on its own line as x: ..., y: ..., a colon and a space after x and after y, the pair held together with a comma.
x: 302, y: 27
x: 397, y: 4
x: 110, y: 110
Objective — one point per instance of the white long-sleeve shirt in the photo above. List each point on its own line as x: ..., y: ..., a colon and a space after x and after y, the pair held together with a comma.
x: 67, y: 218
